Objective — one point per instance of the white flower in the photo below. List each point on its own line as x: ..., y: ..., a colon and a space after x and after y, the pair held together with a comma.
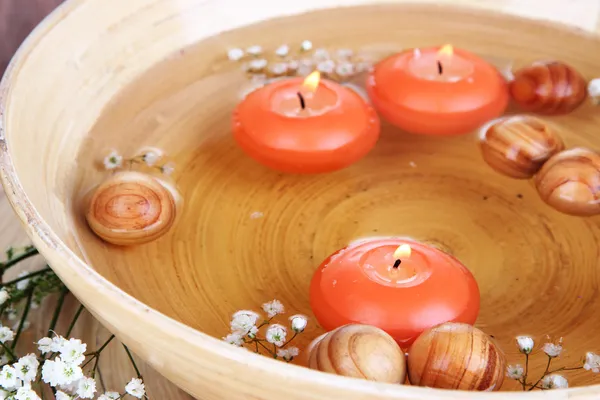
x: 554, y: 381
x: 344, y: 69
x: 306, y: 45
x: 344, y: 54
x: 257, y: 65
x: 276, y: 334
x: 45, y: 345
x: 35, y: 305
x: 72, y: 351
x: 150, y: 158
x: 3, y: 296
x: 288, y: 354
x: 594, y: 90
x: 109, y: 396
x: 235, y: 339
x: 282, y: 50
x: 86, y: 387
x: 278, y: 68
x: 6, y: 334
x: 136, y: 388
x: 8, y: 377
x: 25, y: 393
x: 515, y: 371
x: 235, y: 54
x: 12, y: 315
x: 27, y: 368
x: 321, y: 55
x: 62, y: 396
x: 552, y: 350
x: 253, y: 332
x: 592, y: 362
x: 525, y: 344
x: 168, y: 168
x: 243, y: 321
x: 4, y: 394
x: 57, y: 372
x: 254, y: 50
x: 299, y: 322
x: 58, y: 342
x: 273, y: 308
x: 326, y: 67
x: 113, y: 160
x: 23, y: 284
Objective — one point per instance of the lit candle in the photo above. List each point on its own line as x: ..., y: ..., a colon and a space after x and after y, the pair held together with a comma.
x: 437, y: 91
x: 401, y: 286
x: 305, y: 126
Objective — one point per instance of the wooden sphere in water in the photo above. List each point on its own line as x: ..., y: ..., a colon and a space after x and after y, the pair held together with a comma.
x: 570, y: 182
x: 456, y: 356
x: 518, y: 146
x: 359, y: 351
x: 549, y: 87
x: 131, y: 208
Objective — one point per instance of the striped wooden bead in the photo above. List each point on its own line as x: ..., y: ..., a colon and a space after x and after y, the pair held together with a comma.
x: 518, y: 146
x: 549, y: 87
x: 570, y: 182
x: 456, y: 356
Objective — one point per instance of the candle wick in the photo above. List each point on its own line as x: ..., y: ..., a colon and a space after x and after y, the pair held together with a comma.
x: 440, y: 69
x: 397, y: 263
x: 302, y: 102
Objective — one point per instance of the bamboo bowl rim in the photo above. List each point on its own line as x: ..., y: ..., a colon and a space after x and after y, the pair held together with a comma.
x: 54, y: 249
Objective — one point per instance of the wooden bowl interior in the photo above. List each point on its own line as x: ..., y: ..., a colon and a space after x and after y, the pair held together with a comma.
x: 246, y: 234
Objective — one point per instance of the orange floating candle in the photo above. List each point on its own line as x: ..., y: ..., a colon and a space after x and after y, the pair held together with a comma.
x: 305, y: 126
x: 437, y: 91
x: 401, y: 286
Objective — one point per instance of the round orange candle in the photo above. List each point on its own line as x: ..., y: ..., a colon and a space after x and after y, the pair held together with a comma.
x: 401, y: 286
x: 305, y: 126
x: 437, y: 91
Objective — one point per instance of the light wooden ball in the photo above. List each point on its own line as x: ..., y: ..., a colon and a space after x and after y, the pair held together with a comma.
x: 456, y: 356
x: 359, y: 351
x: 131, y: 208
x: 570, y: 182
x: 518, y: 146
x: 548, y: 87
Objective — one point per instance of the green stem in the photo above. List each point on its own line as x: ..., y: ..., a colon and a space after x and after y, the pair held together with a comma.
x: 93, y: 374
x: 524, y: 381
x: 137, y: 371
x: 23, y: 317
x: 22, y: 278
x: 542, y: 377
x: 267, y: 349
x: 57, y: 310
x: 104, y: 345
x: 29, y: 253
x: 75, y: 318
x: 289, y: 341
x: 101, y: 379
x: 565, y: 369
x: 9, y: 351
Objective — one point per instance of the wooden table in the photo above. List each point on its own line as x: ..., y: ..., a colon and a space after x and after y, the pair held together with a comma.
x: 18, y: 17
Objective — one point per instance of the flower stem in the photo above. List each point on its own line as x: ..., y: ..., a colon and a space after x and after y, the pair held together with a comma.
x: 96, y: 354
x: 75, y: 318
x: 22, y: 278
x: 59, y: 306
x: 524, y: 381
x: 24, y: 316
x: 137, y: 371
x: 542, y: 377
x: 267, y: 349
x: 9, y: 351
x: 11, y: 263
x: 288, y: 342
x: 565, y: 369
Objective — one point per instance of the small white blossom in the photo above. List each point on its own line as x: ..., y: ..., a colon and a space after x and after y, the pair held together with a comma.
x: 168, y: 168
x: 299, y: 322
x: 272, y: 308
x: 288, y: 354
x: 136, y: 388
x: 12, y: 315
x: 515, y: 371
x: 243, y: 321
x: 257, y: 65
x: 253, y: 332
x: 25, y: 393
x: 254, y: 50
x: 235, y: 54
x: 35, y: 305
x: 23, y: 284
x: 62, y: 396
x: 27, y: 368
x: 276, y: 334
x: 113, y: 160
x: 306, y: 45
x: 594, y: 90
x: 525, y: 344
x: 592, y: 362
x: 3, y: 296
x: 278, y: 69
x: 45, y: 345
x: 235, y: 339
x: 72, y: 351
x: 305, y: 67
x: 326, y: 67
x: 150, y: 158
x: 554, y: 381
x: 8, y: 377
x: 552, y: 350
x: 344, y: 54
x: 109, y: 396
x: 57, y: 372
x: 321, y: 55
x: 344, y: 69
x: 6, y: 334
x: 292, y: 65
x: 283, y: 50
x: 86, y: 387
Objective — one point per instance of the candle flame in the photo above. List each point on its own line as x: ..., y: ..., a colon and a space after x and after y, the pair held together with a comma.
x: 312, y: 81
x: 446, y: 50
x: 403, y: 251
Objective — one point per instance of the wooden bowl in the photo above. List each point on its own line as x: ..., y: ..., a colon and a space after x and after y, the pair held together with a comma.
x: 104, y: 74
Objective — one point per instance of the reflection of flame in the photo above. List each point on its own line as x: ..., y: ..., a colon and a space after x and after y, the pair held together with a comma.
x: 402, y: 252
x: 312, y: 81
x: 446, y: 50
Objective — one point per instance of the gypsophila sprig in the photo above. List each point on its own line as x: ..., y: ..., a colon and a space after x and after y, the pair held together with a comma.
x: 246, y: 328
x: 148, y: 159
x: 549, y: 379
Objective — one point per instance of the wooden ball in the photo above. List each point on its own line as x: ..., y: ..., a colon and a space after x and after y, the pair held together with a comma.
x: 359, y: 351
x: 131, y: 208
x: 550, y: 88
x: 456, y: 356
x: 570, y: 182
x: 518, y: 146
